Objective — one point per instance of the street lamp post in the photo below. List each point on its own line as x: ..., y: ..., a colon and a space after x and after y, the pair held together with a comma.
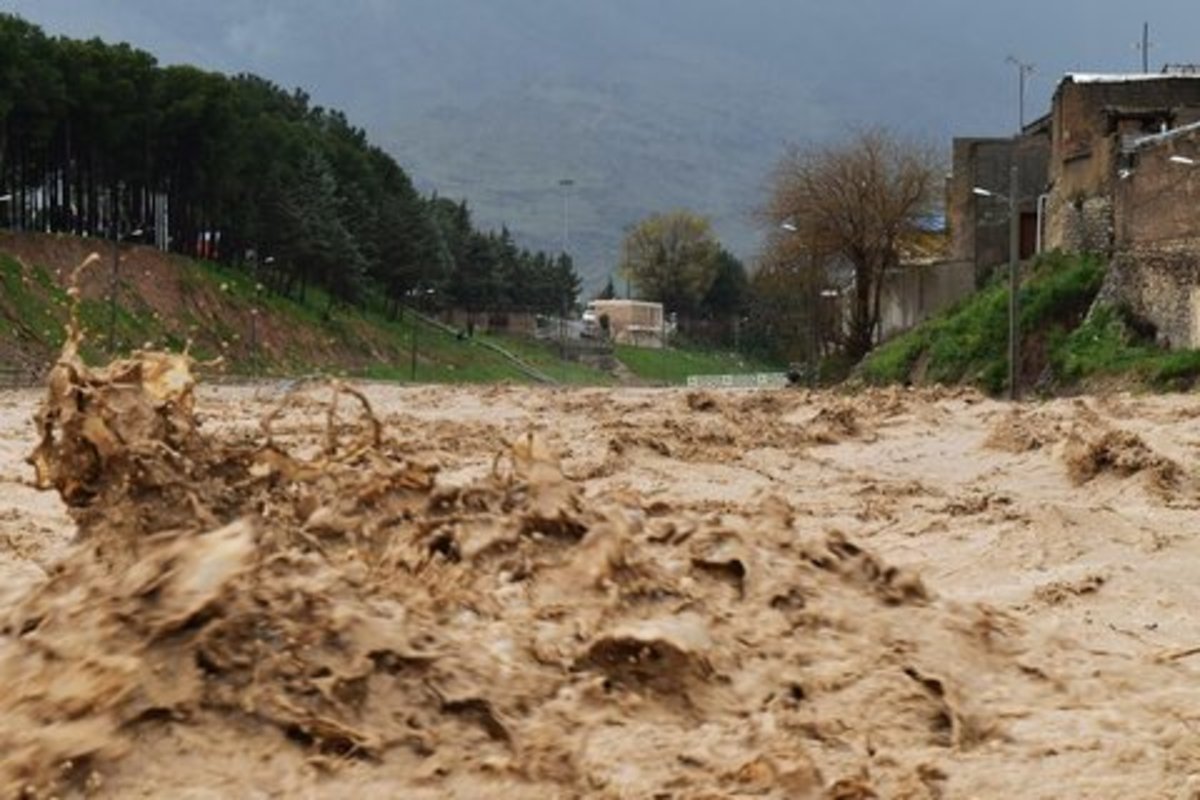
x: 116, y: 266
x: 1014, y: 244
x: 814, y: 340
x: 254, y: 359
x: 566, y: 184
x: 412, y: 367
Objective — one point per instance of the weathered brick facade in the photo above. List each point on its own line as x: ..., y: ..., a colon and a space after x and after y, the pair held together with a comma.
x: 1091, y: 119
x: 1103, y: 156
x: 1155, y: 271
x: 1079, y: 224
x: 979, y: 225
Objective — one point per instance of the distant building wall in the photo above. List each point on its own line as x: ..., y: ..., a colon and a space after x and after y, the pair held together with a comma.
x: 912, y: 294
x: 1091, y: 117
x: 633, y: 322
x: 979, y: 226
x: 521, y: 322
x: 1155, y: 271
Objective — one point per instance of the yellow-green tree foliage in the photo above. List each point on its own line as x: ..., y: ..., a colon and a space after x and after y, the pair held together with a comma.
x: 671, y: 258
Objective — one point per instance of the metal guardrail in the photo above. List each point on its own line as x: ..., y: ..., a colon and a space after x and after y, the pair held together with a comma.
x: 12, y: 377
x: 762, y: 380
x: 521, y: 365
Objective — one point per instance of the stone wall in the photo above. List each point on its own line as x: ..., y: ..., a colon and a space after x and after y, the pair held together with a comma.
x: 1089, y: 122
x: 1160, y: 285
x: 1080, y: 224
x: 1155, y: 271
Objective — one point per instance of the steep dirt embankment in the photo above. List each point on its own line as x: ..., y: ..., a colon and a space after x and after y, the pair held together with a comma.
x: 168, y: 301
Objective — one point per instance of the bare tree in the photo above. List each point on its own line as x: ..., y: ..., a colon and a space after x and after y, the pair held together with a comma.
x: 860, y: 201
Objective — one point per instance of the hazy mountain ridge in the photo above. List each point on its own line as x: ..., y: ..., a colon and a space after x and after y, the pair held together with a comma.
x: 648, y: 105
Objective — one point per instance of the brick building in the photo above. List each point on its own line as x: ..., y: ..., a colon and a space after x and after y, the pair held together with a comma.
x: 1155, y: 270
x: 1092, y: 118
x: 979, y: 225
x: 1110, y: 170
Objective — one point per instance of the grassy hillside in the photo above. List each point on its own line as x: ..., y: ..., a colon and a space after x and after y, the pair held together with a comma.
x: 1063, y: 346
x: 673, y: 366
x: 171, y: 302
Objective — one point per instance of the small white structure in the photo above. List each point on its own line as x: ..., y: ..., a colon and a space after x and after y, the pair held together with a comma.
x: 633, y: 322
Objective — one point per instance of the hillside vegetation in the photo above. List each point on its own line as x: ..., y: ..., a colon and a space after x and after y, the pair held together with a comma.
x: 222, y: 312
x: 1068, y: 342
x: 100, y: 140
x: 174, y: 302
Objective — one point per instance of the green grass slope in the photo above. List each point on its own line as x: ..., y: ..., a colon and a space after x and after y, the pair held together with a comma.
x: 673, y: 366
x: 1063, y: 347
x: 221, y: 312
x: 171, y: 302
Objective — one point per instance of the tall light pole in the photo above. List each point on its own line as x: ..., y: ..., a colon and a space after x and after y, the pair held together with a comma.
x: 814, y: 341
x: 566, y: 184
x: 1024, y: 70
x: 1014, y: 244
x: 116, y: 266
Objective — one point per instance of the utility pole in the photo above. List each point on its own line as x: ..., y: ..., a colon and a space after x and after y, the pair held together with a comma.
x: 1024, y: 70
x: 566, y: 184
x: 814, y: 322
x: 1014, y: 244
x: 116, y: 266
x: 416, y: 326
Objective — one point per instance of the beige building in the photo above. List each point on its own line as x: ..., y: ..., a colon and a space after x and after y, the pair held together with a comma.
x: 633, y: 322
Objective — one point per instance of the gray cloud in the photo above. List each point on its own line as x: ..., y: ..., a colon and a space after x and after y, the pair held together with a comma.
x: 647, y: 104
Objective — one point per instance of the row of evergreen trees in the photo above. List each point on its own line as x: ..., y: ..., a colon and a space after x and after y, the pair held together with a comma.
x: 99, y: 140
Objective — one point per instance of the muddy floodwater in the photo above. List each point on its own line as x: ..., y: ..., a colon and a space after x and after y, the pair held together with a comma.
x: 373, y: 591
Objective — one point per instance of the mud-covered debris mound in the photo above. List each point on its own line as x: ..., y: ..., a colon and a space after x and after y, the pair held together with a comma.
x: 1022, y: 431
x: 506, y: 632
x: 1092, y: 453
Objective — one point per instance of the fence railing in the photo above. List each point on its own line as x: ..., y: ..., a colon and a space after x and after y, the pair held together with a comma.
x: 14, y: 377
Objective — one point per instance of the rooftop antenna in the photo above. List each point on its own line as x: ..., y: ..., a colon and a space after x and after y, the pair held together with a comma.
x: 1024, y: 70
x: 1145, y: 46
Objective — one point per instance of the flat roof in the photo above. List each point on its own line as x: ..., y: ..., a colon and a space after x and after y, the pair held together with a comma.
x: 1131, y: 77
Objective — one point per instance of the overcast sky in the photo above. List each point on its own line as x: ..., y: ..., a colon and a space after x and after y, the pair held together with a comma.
x: 647, y: 102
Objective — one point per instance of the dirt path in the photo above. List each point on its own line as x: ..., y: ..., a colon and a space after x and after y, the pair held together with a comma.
x: 899, y: 594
